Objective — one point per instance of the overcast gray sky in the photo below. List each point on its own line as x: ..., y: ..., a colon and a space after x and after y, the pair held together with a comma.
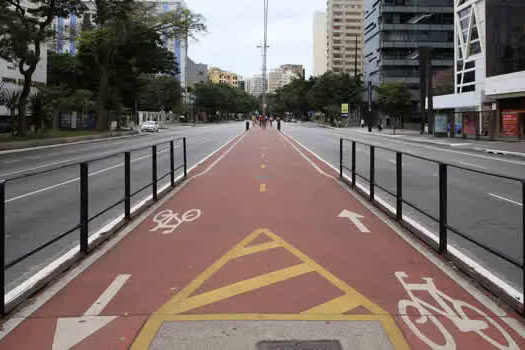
x: 235, y: 28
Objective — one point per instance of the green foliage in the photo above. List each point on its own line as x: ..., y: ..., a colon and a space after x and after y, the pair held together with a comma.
x: 22, y: 30
x: 325, y: 93
x: 159, y: 92
x: 214, y: 98
x: 394, y: 100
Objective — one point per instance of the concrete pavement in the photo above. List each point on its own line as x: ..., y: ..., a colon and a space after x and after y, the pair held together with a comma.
x: 264, y: 245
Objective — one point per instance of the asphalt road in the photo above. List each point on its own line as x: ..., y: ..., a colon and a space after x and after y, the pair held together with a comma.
x: 41, y: 207
x: 488, y: 209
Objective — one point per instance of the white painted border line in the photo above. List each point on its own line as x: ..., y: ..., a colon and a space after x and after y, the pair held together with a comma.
x: 511, y: 291
x: 48, y: 270
x: 505, y: 199
x: 410, y: 239
x: 103, y: 300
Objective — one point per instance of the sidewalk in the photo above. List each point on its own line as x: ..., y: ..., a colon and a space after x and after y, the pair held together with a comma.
x: 510, y: 148
x: 264, y: 245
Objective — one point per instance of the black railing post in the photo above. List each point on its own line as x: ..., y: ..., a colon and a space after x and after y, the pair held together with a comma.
x: 84, y: 207
x: 185, y: 158
x: 399, y: 179
x: 353, y: 163
x: 127, y: 185
x: 522, y: 240
x: 2, y: 245
x: 341, y: 158
x: 247, y: 126
x: 442, y: 208
x: 172, y: 164
x: 279, y: 125
x: 372, y: 172
x: 154, y: 171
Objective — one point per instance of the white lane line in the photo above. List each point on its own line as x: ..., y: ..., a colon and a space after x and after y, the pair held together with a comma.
x: 392, y: 161
x: 505, y: 199
x: 11, y: 161
x: 104, y: 299
x: 78, y: 178
x: 472, y: 165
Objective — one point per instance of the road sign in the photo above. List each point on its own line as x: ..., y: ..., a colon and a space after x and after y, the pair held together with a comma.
x: 344, y: 108
x: 355, y: 218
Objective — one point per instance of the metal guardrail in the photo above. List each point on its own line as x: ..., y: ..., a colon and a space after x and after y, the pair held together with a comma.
x: 442, y: 220
x: 84, y: 217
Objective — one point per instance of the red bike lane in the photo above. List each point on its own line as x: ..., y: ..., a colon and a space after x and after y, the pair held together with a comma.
x: 258, y: 234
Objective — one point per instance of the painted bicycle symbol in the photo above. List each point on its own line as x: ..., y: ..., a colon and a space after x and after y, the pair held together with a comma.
x: 168, y: 221
x: 483, y: 325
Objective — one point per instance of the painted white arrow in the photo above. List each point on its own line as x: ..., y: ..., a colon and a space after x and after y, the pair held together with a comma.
x: 71, y: 331
x: 355, y: 218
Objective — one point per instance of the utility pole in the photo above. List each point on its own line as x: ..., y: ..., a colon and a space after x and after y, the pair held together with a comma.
x: 355, y: 58
x: 265, y: 49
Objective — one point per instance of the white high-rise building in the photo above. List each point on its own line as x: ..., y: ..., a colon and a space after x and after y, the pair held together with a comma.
x: 278, y: 78
x: 345, y: 32
x: 67, y: 29
x: 320, y: 34
x: 254, y: 85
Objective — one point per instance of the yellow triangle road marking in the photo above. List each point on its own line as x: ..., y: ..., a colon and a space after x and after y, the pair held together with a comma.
x: 333, y: 309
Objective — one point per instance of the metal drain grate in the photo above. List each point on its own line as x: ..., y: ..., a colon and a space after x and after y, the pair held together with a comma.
x: 300, y: 345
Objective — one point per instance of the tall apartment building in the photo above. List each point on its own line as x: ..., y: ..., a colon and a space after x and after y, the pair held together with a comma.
x: 254, y: 85
x: 279, y: 77
x: 67, y: 29
x: 197, y: 73
x: 344, y: 23
x: 489, y: 69
x: 394, y: 30
x: 320, y: 44
x: 219, y: 76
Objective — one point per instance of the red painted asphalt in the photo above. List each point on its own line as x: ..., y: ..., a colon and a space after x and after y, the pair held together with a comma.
x: 300, y: 208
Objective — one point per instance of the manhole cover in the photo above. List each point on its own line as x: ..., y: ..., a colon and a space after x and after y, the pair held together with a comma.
x: 300, y: 345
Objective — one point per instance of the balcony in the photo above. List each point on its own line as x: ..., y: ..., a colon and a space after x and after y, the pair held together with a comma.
x: 426, y: 27
x: 416, y: 44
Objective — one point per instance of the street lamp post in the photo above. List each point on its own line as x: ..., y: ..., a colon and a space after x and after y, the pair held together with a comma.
x: 264, y: 53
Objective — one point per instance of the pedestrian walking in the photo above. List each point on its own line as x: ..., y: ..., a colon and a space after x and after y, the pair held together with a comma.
x: 362, y: 123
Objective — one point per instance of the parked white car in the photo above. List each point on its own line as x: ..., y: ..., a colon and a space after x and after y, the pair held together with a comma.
x: 150, y: 125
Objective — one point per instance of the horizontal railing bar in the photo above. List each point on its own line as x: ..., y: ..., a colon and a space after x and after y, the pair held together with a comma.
x: 495, y: 252
x: 385, y: 190
x: 164, y: 176
x: 413, y: 206
x: 141, y: 189
x: 105, y: 210
x: 439, y: 162
x: 462, y: 167
x: 77, y: 162
x: 37, y: 249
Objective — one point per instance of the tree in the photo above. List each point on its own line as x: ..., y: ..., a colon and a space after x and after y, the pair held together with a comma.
x: 23, y: 29
x: 214, y: 98
x: 159, y: 92
x: 112, y: 45
x: 10, y: 99
x: 331, y: 90
x: 394, y: 100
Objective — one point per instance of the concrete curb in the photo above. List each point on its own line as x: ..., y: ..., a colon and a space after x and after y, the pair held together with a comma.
x: 21, y: 146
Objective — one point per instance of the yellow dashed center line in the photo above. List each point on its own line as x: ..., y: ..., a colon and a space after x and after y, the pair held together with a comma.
x: 262, y: 187
x: 263, y: 166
